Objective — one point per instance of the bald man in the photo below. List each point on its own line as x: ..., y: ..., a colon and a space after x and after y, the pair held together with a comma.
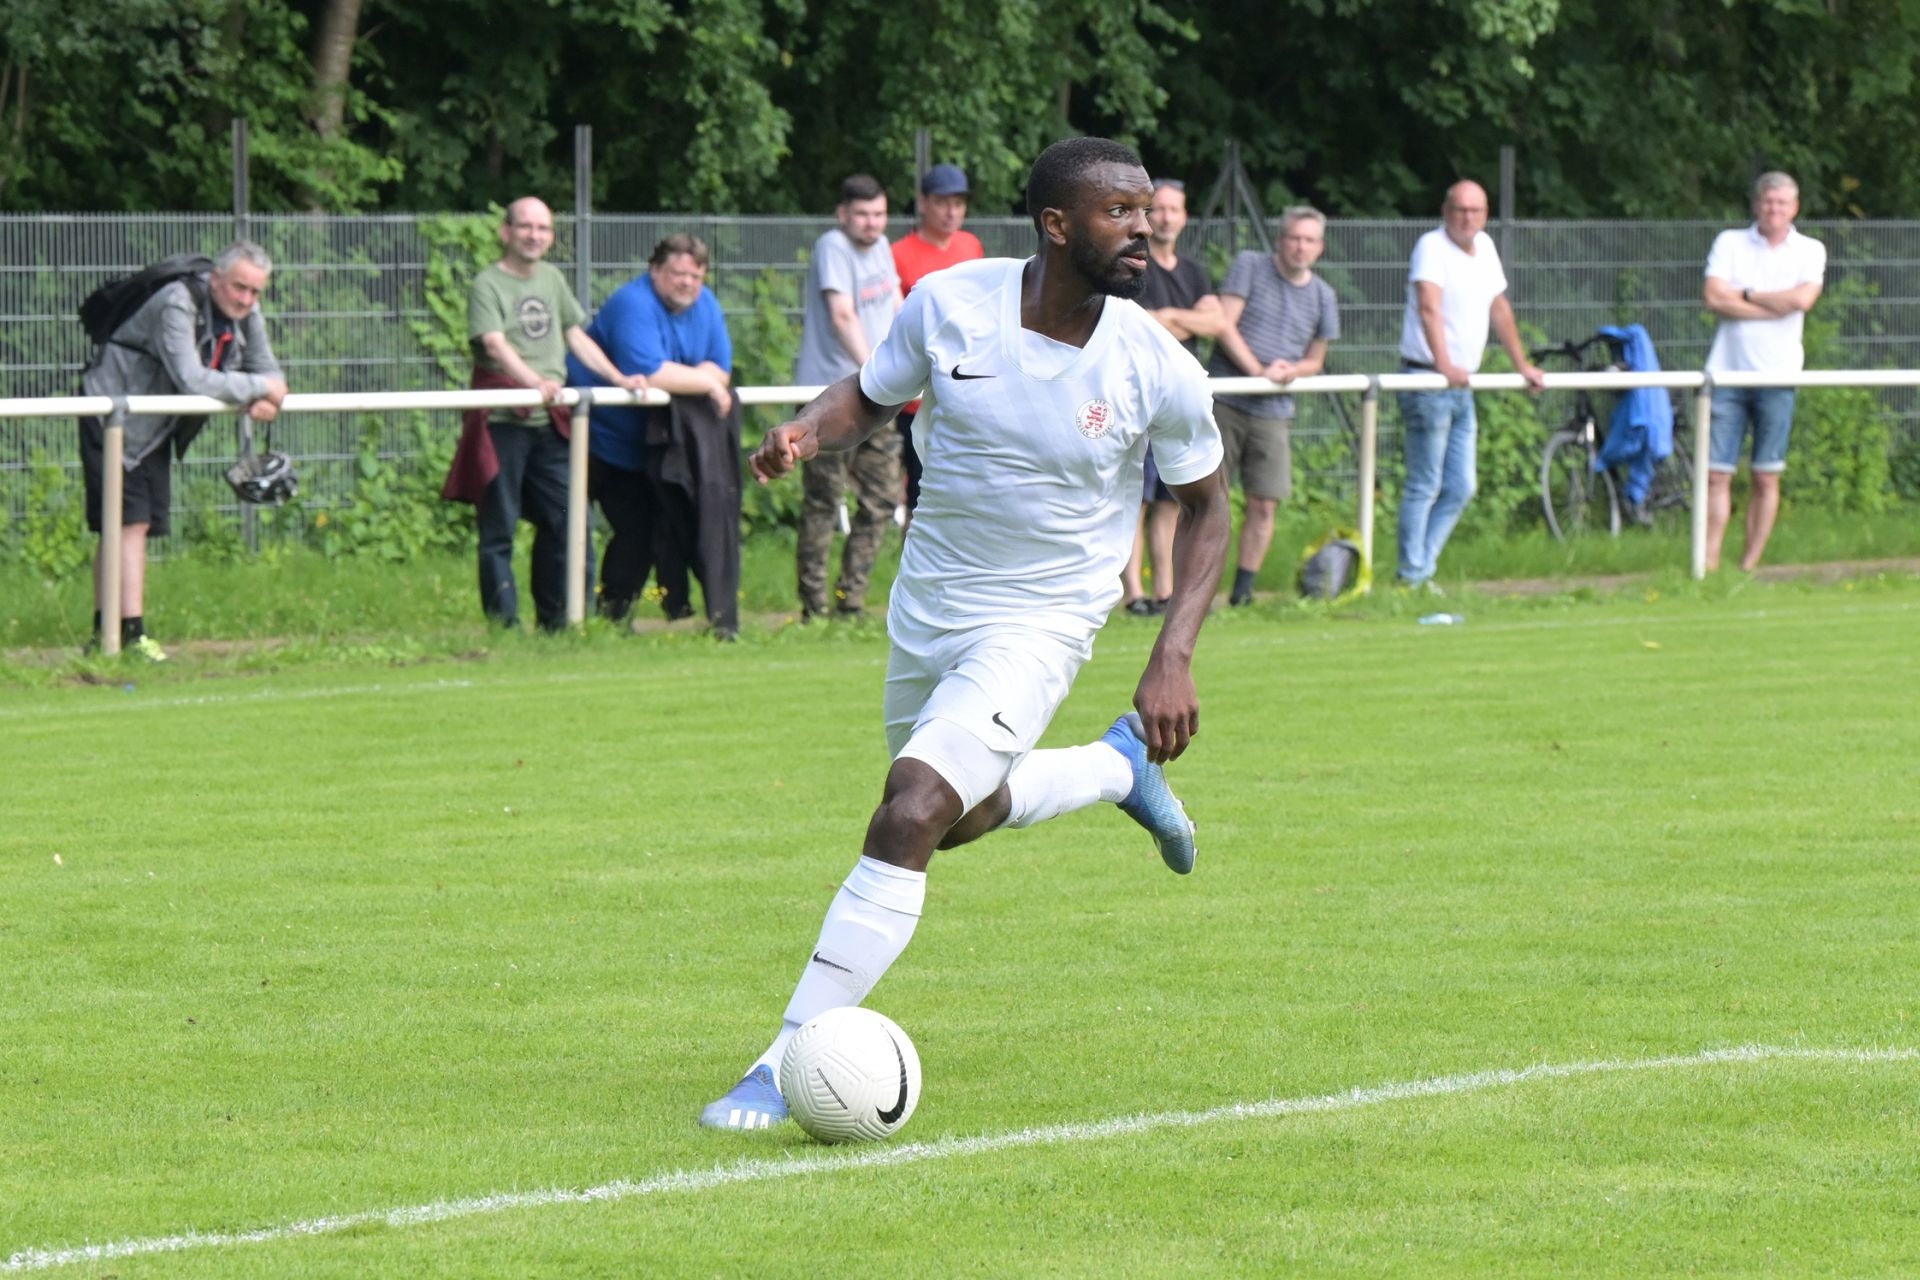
x: 522, y: 319
x: 1454, y: 289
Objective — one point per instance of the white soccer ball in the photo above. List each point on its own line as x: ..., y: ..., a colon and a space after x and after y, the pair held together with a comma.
x: 850, y: 1075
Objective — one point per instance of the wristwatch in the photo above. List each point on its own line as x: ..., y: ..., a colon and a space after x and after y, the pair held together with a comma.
x: 1746, y: 295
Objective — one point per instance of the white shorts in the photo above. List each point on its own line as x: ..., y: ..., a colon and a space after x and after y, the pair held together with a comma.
x: 998, y: 685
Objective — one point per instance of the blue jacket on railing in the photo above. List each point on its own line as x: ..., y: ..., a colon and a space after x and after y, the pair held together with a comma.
x: 1640, y: 433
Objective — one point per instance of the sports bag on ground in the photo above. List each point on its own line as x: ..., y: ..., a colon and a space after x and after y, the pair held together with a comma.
x: 1333, y: 568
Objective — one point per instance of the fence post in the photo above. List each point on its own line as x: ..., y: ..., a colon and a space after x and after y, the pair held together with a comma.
x: 113, y: 481
x: 1702, y: 443
x: 577, y: 510
x: 583, y: 215
x: 1369, y: 447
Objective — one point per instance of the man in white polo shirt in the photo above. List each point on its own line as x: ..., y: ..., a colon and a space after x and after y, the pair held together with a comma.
x: 1044, y: 384
x: 1455, y: 287
x: 1761, y: 282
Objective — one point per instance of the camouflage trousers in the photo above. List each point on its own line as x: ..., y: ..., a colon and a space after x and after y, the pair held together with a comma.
x: 872, y: 471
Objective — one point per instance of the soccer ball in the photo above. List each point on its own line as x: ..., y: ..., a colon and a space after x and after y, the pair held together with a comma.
x: 850, y: 1075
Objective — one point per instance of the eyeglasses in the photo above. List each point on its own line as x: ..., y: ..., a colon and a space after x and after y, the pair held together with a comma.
x: 1174, y: 183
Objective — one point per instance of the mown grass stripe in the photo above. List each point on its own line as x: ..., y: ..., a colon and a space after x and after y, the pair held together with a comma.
x: 829, y: 1162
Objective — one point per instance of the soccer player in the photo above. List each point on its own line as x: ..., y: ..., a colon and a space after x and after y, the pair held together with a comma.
x: 1043, y: 386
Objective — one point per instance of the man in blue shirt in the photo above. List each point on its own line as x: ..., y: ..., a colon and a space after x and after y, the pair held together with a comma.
x: 668, y: 325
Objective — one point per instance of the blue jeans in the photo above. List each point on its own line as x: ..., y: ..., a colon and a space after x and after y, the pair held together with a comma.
x: 1768, y: 410
x: 532, y: 484
x: 1441, y: 443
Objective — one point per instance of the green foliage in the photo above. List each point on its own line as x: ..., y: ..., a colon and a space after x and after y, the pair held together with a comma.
x: 1621, y: 108
x: 1903, y: 470
x: 52, y: 541
x: 765, y: 343
x: 1842, y: 436
x: 396, y: 513
x: 458, y: 245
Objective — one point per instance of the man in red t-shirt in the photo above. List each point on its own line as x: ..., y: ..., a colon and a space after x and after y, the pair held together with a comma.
x: 937, y: 242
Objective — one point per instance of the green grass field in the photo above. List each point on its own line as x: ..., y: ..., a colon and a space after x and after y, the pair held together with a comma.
x: 360, y: 969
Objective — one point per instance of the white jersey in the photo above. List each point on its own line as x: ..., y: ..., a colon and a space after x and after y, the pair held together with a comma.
x: 1032, y: 475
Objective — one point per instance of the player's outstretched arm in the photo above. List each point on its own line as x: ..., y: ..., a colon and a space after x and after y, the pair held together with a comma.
x: 839, y: 419
x: 1167, y: 701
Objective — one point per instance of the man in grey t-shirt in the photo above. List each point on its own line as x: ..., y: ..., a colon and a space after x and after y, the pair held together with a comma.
x: 853, y: 292
x: 1279, y: 319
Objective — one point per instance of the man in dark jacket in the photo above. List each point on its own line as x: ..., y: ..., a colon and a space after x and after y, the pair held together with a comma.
x: 203, y: 336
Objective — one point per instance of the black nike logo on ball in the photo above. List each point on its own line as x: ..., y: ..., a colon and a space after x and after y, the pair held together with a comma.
x: 958, y: 376
x: 893, y: 1114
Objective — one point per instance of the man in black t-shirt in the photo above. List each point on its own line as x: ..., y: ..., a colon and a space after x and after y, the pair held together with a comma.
x: 1180, y: 296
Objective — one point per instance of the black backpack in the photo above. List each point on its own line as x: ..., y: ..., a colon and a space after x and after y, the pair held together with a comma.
x: 113, y: 303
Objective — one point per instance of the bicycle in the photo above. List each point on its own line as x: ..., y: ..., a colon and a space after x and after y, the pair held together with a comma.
x: 1578, y: 494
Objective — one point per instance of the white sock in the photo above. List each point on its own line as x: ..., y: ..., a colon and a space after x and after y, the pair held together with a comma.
x: 868, y: 925
x: 1046, y: 784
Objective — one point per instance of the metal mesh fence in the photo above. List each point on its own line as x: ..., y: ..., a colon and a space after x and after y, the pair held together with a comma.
x: 349, y: 307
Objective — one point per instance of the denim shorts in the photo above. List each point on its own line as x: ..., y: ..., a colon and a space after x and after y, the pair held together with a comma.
x: 1767, y: 410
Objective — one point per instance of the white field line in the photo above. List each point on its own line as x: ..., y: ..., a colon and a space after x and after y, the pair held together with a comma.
x: 838, y: 1161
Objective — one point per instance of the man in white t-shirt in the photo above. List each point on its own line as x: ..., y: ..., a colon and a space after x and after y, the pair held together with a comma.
x: 1455, y: 288
x: 1761, y: 281
x: 1043, y: 386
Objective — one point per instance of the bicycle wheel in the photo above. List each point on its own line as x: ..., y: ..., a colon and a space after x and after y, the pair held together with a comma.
x: 1578, y: 499
x: 1673, y: 479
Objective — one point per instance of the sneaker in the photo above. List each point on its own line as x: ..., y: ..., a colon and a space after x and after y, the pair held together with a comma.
x: 1140, y: 607
x: 1152, y: 803
x: 754, y: 1103
x: 1159, y: 607
x: 148, y: 648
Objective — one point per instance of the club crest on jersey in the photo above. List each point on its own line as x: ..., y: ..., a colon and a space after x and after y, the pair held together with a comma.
x: 1095, y: 419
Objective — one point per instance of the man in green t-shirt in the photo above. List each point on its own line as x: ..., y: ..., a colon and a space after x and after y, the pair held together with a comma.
x: 522, y: 319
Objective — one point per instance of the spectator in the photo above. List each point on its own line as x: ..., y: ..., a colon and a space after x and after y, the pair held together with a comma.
x: 522, y: 319
x: 1455, y: 289
x: 1761, y: 282
x: 1279, y: 318
x: 852, y: 295
x: 202, y: 336
x: 1180, y: 296
x: 937, y: 242
x: 668, y: 326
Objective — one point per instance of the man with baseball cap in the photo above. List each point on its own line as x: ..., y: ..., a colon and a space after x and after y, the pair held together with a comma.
x: 936, y: 242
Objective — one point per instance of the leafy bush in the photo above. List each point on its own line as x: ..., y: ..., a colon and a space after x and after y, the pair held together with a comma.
x: 396, y: 513
x: 765, y: 344
x: 52, y: 541
x: 1842, y: 436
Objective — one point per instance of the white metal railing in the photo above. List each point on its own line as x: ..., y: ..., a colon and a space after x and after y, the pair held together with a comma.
x: 1369, y: 386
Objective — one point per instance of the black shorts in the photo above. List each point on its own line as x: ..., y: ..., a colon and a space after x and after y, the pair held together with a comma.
x: 148, y: 488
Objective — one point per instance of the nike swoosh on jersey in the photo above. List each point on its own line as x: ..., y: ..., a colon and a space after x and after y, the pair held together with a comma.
x: 958, y: 376
x: 1003, y: 724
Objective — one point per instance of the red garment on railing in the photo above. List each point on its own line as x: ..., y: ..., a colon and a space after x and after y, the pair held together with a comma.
x: 474, y: 462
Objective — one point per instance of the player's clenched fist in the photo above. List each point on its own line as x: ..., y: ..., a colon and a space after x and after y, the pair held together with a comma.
x: 785, y: 447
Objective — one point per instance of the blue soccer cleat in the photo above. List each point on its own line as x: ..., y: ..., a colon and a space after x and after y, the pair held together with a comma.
x: 1152, y: 803
x: 754, y: 1103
